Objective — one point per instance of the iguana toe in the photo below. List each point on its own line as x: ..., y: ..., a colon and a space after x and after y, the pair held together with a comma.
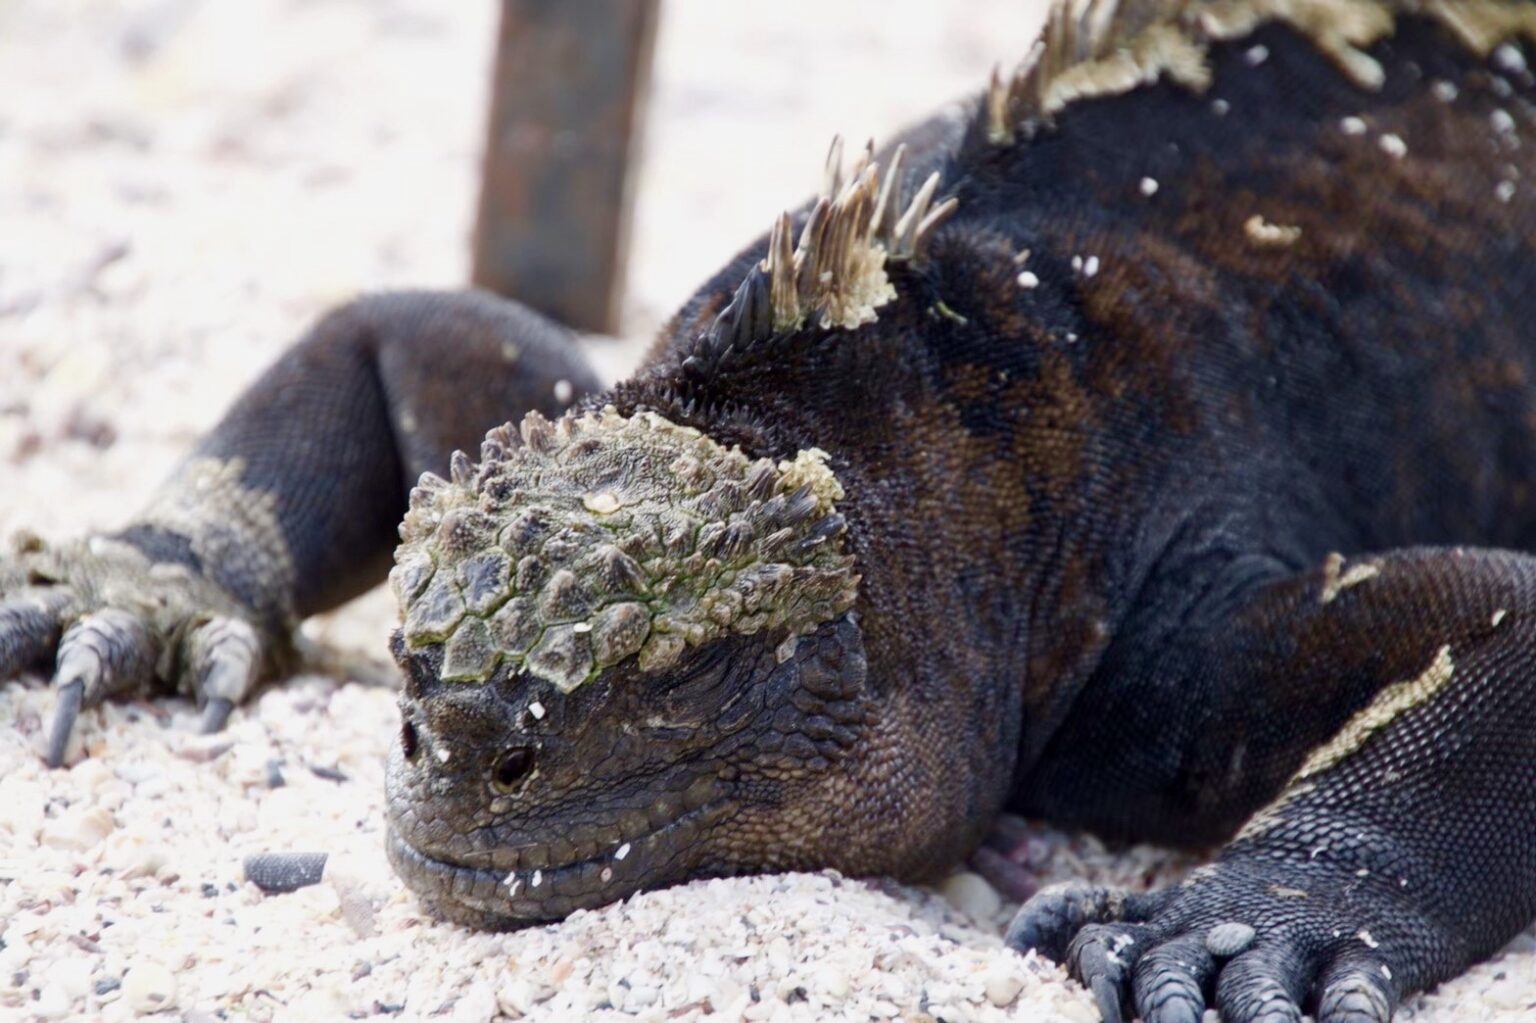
x: 1101, y: 956
x: 1356, y: 991
x: 1264, y: 985
x: 225, y: 656
x: 1170, y: 980
x: 29, y: 629
x: 111, y: 651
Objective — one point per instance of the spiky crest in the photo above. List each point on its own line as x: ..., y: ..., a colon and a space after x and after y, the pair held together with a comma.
x: 1105, y: 47
x: 834, y: 275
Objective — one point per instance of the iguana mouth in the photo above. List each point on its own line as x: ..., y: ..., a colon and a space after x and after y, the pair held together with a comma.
x: 506, y: 900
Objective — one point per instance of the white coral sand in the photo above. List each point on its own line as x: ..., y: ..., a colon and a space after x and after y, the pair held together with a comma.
x: 183, y: 185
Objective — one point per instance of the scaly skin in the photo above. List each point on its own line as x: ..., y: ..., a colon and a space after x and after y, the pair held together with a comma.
x: 288, y: 507
x: 1089, y: 516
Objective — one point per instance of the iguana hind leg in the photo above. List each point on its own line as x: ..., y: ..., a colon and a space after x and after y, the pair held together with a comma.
x: 1402, y: 849
x: 287, y: 507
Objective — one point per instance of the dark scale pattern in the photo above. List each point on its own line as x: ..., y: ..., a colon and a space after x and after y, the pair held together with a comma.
x: 1093, y: 514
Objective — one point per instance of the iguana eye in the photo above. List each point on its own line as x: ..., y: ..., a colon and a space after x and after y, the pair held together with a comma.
x: 512, y: 767
x: 408, y: 743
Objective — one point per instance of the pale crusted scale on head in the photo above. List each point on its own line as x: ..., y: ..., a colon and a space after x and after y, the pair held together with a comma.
x: 604, y: 537
x: 1092, y: 48
x: 470, y: 652
x: 485, y: 578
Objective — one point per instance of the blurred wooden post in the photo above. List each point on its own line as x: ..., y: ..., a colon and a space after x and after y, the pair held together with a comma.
x: 566, y: 103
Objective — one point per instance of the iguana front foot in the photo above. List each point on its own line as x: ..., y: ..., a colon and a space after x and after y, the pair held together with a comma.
x: 1262, y: 938
x: 114, y: 622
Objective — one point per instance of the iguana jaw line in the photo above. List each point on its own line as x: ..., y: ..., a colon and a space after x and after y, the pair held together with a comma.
x: 505, y: 900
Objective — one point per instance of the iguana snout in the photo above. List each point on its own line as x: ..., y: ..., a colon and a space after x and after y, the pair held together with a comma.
x: 513, y: 803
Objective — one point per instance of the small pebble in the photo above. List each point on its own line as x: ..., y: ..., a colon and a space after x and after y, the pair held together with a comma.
x: 354, y: 896
x: 279, y: 872
x: 149, y: 987
x: 972, y: 895
x: 1003, y: 982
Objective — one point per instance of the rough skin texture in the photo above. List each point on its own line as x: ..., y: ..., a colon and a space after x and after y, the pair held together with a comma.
x: 1200, y: 522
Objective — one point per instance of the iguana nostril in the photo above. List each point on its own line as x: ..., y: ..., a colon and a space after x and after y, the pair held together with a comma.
x: 408, y: 742
x: 512, y: 767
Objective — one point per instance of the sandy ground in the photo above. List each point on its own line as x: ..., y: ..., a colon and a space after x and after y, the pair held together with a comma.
x: 183, y: 185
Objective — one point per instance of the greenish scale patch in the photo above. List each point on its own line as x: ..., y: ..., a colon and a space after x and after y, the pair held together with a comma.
x: 582, y: 542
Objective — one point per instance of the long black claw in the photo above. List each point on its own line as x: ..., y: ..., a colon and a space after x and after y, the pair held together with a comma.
x: 108, y: 652
x: 215, y: 715
x: 1107, y: 994
x: 71, y: 697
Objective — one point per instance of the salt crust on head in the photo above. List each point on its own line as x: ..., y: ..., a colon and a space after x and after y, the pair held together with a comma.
x: 598, y: 537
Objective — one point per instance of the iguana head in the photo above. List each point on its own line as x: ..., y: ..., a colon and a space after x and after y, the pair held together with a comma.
x: 629, y: 652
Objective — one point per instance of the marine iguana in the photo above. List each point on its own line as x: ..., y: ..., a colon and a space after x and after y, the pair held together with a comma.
x: 1147, y: 449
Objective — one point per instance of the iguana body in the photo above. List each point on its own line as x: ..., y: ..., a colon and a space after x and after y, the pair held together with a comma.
x: 1030, y: 501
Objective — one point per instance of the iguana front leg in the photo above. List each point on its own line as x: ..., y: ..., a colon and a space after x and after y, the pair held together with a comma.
x: 1401, y: 851
x: 288, y: 507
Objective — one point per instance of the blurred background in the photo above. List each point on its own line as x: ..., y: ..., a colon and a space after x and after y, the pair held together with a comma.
x: 186, y: 184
